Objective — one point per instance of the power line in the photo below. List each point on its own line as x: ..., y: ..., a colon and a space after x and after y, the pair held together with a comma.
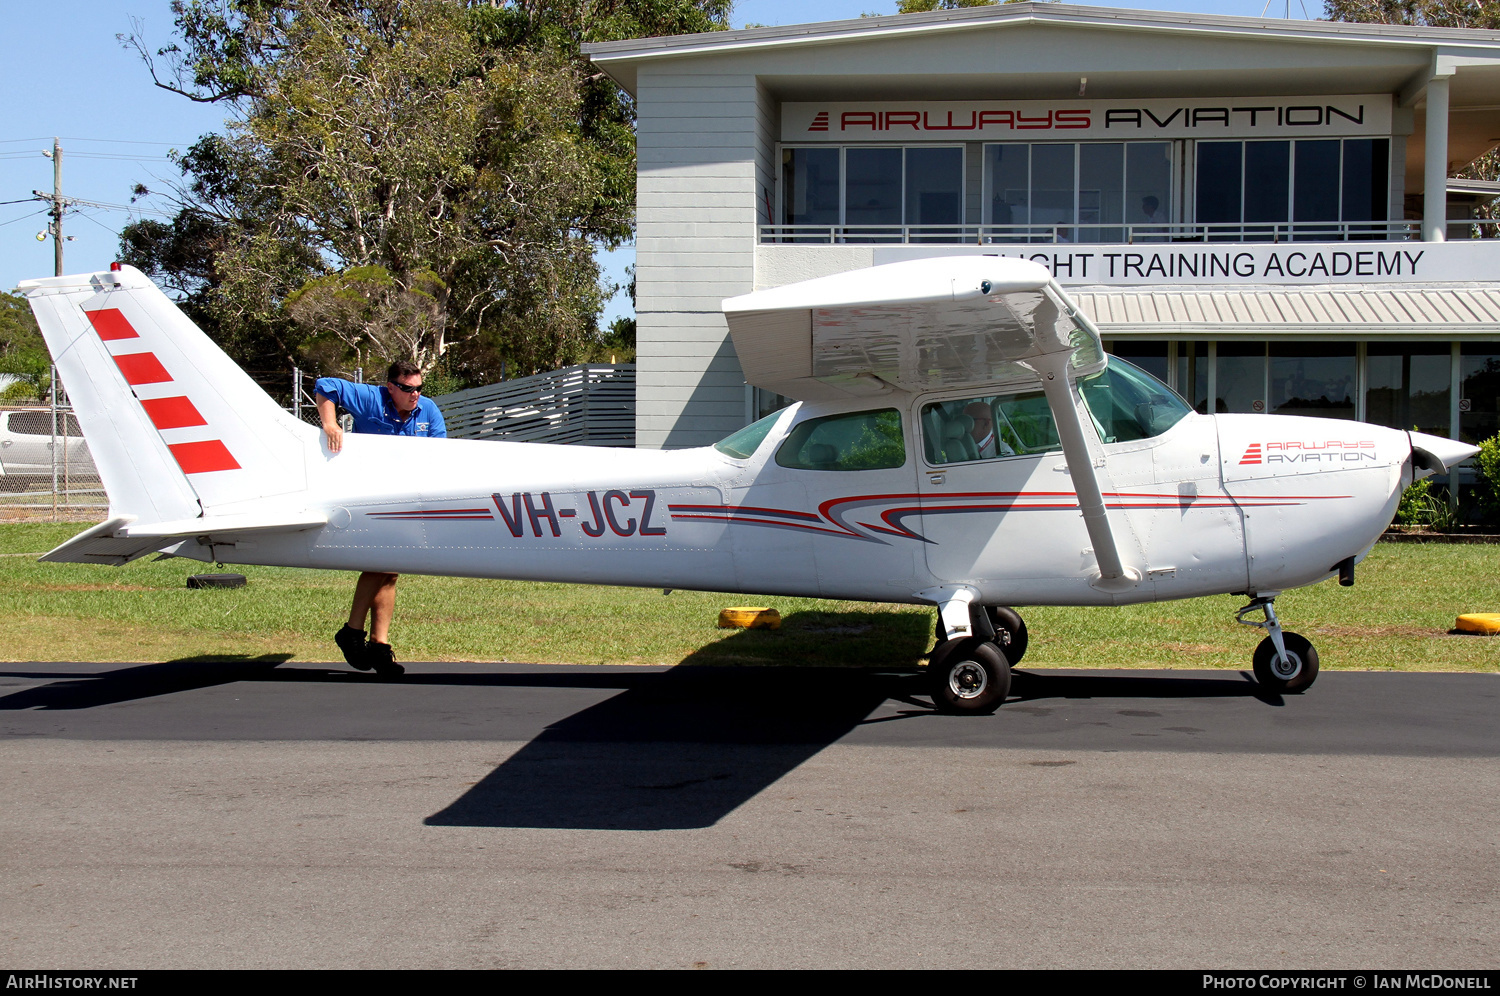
x: 23, y: 217
x: 110, y: 141
x: 100, y: 224
x: 119, y: 157
x: 116, y: 156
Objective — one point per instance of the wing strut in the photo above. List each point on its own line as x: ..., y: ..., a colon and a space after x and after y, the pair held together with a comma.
x: 1113, y: 574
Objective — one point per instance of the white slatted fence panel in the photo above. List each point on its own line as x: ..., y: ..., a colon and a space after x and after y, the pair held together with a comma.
x: 591, y: 405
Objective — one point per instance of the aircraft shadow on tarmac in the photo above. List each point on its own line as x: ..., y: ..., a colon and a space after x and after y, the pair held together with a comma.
x: 675, y: 749
x: 140, y: 681
x: 683, y: 749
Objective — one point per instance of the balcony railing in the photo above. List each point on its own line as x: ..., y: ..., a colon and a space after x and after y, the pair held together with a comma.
x: 1301, y: 231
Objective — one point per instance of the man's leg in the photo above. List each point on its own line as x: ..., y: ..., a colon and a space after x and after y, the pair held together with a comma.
x: 378, y: 653
x: 366, y: 591
x: 375, y: 596
x: 382, y: 605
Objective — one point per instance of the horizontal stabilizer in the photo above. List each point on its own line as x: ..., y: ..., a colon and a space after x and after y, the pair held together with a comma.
x: 223, y: 525
x: 101, y: 545
x: 118, y: 541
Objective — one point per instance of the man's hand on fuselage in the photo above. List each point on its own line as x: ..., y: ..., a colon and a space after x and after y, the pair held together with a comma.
x: 328, y: 415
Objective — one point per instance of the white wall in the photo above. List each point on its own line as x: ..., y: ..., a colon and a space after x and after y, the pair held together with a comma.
x: 697, y: 188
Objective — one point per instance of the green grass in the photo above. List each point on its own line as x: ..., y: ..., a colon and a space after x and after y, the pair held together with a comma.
x: 1397, y: 617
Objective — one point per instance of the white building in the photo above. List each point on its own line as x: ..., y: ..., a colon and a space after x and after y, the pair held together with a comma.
x: 1255, y: 210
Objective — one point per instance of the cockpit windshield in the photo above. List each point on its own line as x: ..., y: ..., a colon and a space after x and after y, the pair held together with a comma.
x: 1128, y: 403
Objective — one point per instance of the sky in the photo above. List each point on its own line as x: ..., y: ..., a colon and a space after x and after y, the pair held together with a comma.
x: 67, y: 75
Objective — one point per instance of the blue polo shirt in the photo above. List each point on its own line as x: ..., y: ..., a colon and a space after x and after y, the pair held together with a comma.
x: 373, y: 410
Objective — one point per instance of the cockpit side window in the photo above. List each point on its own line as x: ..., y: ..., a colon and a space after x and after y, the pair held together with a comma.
x: 853, y: 441
x: 1126, y: 403
x: 1000, y: 425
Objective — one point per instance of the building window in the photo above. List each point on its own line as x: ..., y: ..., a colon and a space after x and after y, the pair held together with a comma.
x: 811, y: 187
x: 874, y: 194
x: 1313, y: 378
x: 872, y: 187
x: 1240, y: 377
x: 1408, y: 385
x: 1479, y: 391
x: 1085, y: 192
x: 1312, y: 188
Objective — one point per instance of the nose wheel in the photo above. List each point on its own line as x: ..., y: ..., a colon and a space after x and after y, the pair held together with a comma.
x: 1283, y: 662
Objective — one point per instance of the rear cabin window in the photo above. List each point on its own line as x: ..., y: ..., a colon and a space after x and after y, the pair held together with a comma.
x: 855, y: 441
x: 742, y: 444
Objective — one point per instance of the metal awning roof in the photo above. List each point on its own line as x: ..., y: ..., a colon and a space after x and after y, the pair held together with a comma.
x: 1345, y: 312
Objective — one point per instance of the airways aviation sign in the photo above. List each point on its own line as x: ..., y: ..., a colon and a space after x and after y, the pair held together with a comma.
x: 1122, y: 120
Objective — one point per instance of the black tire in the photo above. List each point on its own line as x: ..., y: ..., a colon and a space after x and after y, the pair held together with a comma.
x: 1273, y: 678
x: 1010, y: 632
x: 969, y: 676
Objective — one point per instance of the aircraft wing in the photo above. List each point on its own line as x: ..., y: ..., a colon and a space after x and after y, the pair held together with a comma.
x: 954, y: 322
x: 950, y: 322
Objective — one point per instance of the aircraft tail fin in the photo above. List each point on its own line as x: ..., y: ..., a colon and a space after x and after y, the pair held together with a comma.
x: 176, y: 428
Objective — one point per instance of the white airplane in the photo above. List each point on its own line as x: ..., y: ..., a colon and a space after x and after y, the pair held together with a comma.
x: 961, y: 439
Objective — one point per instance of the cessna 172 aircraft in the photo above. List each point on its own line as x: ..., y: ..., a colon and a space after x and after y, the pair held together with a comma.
x: 961, y: 439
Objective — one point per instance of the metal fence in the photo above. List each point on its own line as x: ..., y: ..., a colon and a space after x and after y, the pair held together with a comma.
x: 46, y: 470
x: 590, y: 405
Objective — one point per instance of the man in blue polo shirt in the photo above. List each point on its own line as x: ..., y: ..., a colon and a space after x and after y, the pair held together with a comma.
x: 395, y: 409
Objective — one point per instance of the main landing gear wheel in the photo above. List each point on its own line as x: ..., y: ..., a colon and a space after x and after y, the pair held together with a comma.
x: 1292, y: 675
x: 969, y: 676
x: 1010, y: 631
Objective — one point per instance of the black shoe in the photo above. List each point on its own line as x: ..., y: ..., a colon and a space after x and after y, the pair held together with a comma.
x: 382, y: 659
x: 352, y: 642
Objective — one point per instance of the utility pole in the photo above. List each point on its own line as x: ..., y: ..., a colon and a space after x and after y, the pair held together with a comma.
x: 57, y: 208
x: 57, y: 270
x: 59, y: 205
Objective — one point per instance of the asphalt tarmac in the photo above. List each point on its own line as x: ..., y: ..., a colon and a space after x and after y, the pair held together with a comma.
x: 254, y: 813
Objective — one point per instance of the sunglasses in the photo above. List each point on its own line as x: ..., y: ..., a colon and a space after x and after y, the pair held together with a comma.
x: 413, y: 389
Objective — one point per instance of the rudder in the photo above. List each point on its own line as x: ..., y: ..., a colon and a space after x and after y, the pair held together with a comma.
x: 176, y: 428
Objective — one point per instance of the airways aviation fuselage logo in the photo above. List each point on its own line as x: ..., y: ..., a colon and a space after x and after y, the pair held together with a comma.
x: 1329, y: 451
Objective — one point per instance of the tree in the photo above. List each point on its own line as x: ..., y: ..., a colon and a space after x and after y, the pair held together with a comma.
x: 921, y: 6
x: 460, y: 155
x: 22, y: 351
x: 229, y: 255
x: 1425, y: 13
x: 372, y: 316
x: 1433, y: 14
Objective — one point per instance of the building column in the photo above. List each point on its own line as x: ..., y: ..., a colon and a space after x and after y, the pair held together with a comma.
x: 1435, y: 167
